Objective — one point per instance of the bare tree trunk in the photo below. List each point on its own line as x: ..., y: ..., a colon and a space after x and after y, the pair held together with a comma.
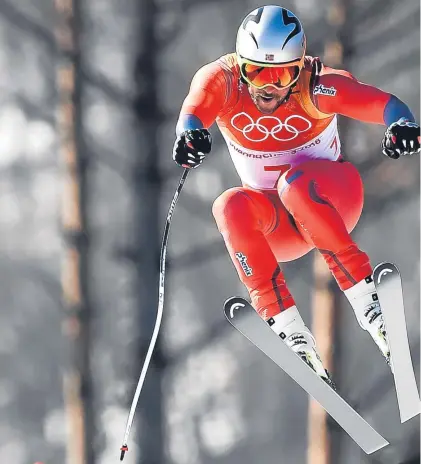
x: 322, y: 328
x: 147, y: 192
x: 76, y: 324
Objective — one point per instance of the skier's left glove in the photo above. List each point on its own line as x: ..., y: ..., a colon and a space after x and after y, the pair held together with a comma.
x: 401, y: 138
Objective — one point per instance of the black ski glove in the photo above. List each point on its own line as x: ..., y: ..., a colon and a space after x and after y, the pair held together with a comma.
x: 401, y: 138
x: 191, y: 147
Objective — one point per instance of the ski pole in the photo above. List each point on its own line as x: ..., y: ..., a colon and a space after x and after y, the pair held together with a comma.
x: 124, y: 448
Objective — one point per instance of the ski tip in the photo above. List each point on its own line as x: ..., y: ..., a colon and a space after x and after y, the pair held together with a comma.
x: 232, y: 299
x: 233, y: 304
x: 123, y: 450
x: 383, y: 270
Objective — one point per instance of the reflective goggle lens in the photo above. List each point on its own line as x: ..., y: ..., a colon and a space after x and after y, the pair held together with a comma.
x: 261, y: 76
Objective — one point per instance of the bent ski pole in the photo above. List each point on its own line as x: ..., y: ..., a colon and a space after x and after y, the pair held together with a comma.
x: 155, y: 333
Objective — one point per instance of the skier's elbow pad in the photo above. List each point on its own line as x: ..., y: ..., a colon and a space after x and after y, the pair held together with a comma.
x: 396, y: 109
x: 188, y: 122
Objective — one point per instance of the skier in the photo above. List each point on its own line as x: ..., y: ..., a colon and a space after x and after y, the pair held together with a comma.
x: 276, y: 109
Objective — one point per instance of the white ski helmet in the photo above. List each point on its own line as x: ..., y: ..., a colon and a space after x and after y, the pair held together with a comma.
x: 270, y: 47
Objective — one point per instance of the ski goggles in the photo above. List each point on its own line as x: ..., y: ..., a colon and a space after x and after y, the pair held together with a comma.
x: 263, y: 75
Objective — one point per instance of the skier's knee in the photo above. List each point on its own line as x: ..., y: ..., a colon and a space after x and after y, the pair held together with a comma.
x: 233, y: 206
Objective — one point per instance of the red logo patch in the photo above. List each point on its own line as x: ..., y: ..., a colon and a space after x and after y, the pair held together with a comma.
x: 269, y: 57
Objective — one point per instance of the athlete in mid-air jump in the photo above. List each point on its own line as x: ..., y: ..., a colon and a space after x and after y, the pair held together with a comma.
x: 276, y: 108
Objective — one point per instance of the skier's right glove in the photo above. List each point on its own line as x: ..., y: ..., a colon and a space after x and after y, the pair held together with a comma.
x: 191, y: 147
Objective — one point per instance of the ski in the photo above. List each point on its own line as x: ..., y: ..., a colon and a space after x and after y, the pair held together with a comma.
x: 388, y: 283
x: 244, y: 318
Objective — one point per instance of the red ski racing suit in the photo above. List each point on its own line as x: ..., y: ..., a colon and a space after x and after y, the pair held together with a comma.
x: 297, y: 192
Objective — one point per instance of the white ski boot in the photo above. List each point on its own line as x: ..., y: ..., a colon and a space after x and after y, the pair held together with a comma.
x: 291, y: 328
x: 365, y: 302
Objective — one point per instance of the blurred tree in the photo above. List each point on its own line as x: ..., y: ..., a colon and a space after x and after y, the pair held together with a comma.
x: 147, y: 189
x: 76, y: 324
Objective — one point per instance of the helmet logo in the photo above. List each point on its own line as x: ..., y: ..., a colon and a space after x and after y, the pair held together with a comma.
x: 255, y: 18
x: 290, y: 20
x: 269, y: 57
x: 257, y: 131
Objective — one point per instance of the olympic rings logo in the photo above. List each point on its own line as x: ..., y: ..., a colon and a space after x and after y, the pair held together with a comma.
x: 276, y: 129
